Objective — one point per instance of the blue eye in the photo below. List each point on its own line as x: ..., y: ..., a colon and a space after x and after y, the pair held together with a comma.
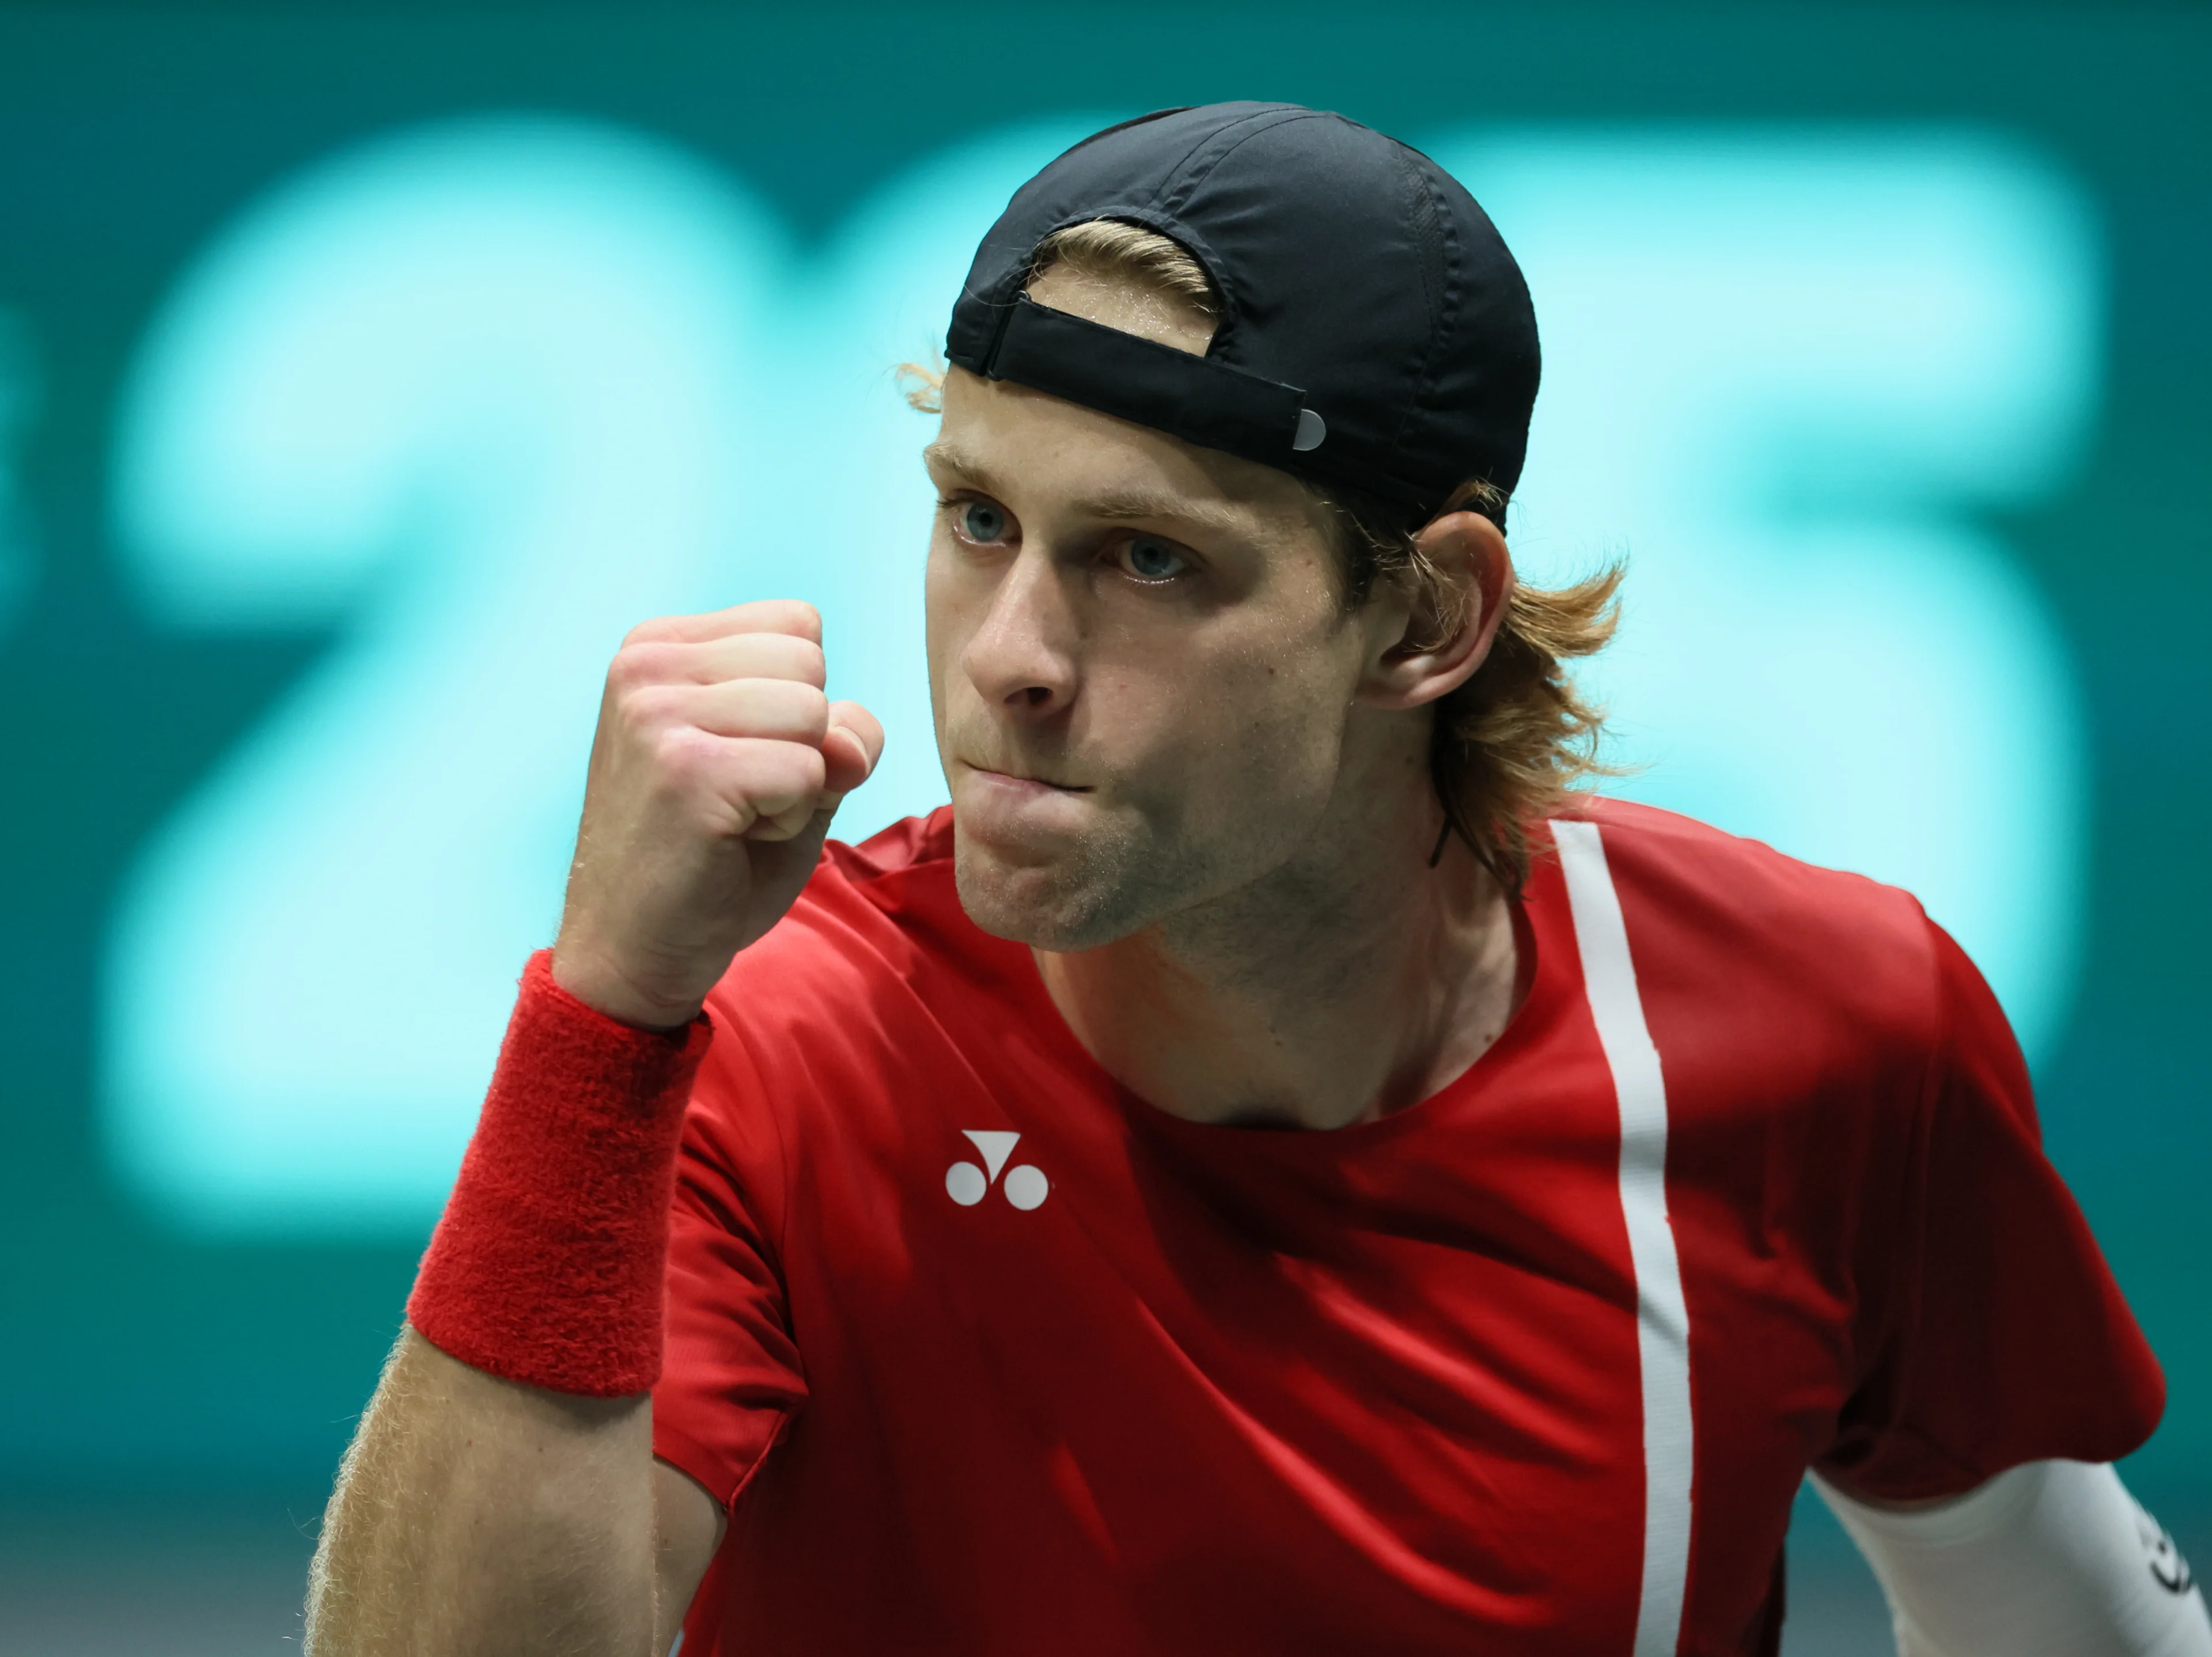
x: 983, y: 521
x: 1150, y: 559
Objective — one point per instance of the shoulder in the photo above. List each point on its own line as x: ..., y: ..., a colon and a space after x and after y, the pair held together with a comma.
x: 1715, y: 918
x: 1678, y: 872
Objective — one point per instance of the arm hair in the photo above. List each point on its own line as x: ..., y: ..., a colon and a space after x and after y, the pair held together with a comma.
x: 478, y: 1517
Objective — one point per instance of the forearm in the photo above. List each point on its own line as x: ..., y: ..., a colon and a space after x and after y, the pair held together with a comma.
x: 2052, y: 1559
x: 502, y: 1495
x: 474, y: 1515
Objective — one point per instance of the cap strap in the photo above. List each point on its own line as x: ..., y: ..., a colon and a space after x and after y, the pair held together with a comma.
x: 1199, y: 399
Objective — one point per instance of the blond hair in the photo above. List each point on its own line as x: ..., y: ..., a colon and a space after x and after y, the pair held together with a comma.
x: 1510, y: 745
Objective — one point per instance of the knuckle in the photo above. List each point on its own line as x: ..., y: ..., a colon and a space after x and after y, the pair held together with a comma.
x: 684, y: 757
x: 635, y: 664
x: 647, y: 705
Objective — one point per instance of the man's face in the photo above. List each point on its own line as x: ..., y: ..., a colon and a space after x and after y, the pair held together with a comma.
x: 1139, y: 663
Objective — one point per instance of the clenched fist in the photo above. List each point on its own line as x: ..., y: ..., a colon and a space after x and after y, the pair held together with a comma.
x: 718, y: 765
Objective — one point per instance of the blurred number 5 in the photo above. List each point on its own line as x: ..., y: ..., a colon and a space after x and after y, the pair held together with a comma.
x: 1788, y: 372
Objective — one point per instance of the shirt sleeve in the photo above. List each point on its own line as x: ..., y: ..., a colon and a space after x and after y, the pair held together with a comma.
x: 2006, y: 1339
x: 732, y: 1381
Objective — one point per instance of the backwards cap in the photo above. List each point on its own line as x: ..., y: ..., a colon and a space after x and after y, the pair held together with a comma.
x: 1374, y: 331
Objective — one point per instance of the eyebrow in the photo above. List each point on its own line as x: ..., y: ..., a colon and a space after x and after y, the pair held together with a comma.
x: 1127, y: 504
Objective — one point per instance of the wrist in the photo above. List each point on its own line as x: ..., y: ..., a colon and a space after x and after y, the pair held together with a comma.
x: 547, y: 1265
x: 595, y: 977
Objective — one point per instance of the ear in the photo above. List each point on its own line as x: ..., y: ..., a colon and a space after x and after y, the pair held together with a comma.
x: 1447, y: 634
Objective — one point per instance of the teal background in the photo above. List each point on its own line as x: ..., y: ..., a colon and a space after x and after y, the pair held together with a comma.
x: 206, y: 1389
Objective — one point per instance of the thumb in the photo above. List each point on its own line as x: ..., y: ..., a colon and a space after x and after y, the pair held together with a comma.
x: 850, y: 751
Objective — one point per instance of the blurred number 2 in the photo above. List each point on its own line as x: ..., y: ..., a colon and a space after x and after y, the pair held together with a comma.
x: 481, y: 397
x: 476, y: 398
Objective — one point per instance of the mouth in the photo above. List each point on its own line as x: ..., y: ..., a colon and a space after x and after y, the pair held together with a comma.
x: 1020, y: 815
x: 1015, y: 779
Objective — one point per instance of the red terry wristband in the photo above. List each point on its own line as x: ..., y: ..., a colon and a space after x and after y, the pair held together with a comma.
x: 547, y: 1265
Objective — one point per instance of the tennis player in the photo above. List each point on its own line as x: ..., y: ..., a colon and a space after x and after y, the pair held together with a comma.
x: 1274, y: 1168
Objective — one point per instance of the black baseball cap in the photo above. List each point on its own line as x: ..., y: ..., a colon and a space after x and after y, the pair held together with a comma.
x: 1374, y: 333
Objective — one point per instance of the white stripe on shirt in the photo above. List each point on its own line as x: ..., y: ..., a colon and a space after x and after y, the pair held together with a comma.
x: 1663, y: 1321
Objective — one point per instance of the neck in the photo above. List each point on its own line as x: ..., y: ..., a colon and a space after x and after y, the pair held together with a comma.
x: 1352, y: 980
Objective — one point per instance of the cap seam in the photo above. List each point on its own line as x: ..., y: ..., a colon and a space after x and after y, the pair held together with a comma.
x: 1018, y: 277
x: 1183, y: 186
x: 1177, y: 188
x: 1443, y: 320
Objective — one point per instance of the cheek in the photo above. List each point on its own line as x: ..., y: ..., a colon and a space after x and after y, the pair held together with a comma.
x: 1289, y: 726
x: 1243, y: 733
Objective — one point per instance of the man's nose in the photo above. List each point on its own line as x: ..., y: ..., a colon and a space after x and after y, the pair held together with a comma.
x: 1023, y: 657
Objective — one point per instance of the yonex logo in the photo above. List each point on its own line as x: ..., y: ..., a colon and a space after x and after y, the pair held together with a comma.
x: 966, y: 1184
x: 2167, y: 1566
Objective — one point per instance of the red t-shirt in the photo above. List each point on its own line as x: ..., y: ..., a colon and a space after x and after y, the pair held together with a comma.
x: 987, y: 1355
